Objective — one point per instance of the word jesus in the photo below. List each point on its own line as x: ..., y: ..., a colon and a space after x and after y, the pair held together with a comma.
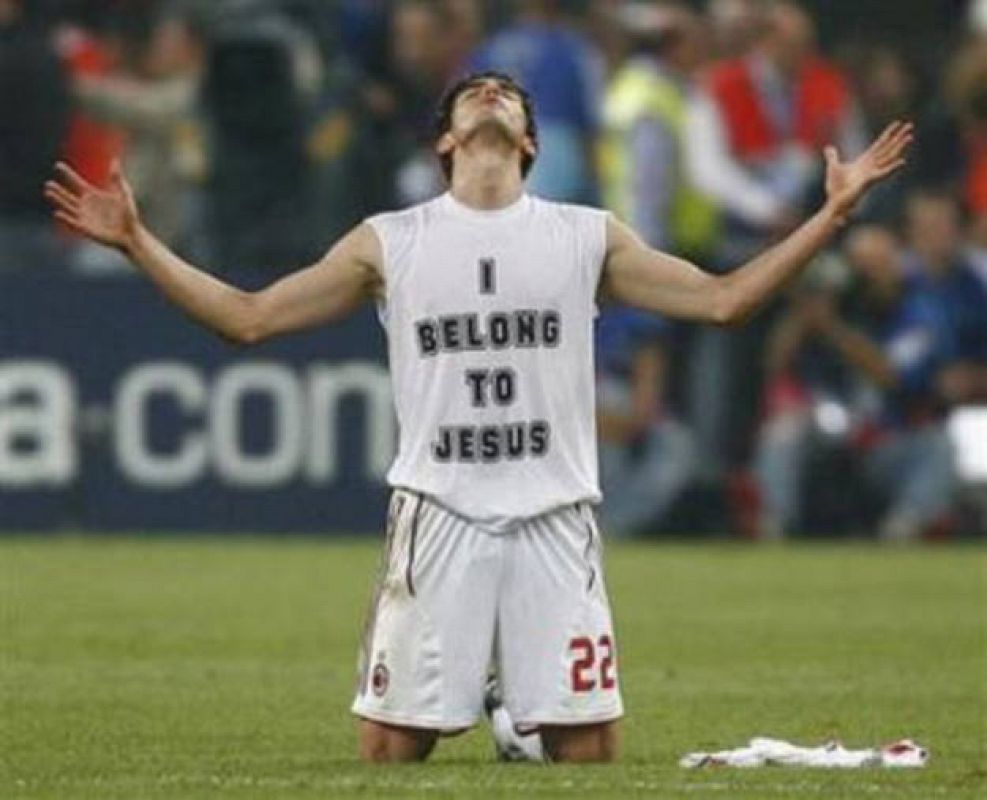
x: 491, y: 443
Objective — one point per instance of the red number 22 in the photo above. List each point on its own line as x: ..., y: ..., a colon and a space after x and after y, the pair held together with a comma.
x: 585, y: 661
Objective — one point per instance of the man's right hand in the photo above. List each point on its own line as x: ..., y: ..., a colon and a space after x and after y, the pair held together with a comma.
x: 348, y: 275
x: 108, y: 216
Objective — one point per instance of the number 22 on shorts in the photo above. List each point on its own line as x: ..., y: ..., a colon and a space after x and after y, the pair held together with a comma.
x: 591, y: 660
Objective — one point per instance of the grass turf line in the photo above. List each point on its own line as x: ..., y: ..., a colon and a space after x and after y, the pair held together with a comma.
x: 167, y: 668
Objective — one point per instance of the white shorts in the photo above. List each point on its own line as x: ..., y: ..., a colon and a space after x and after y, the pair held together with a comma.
x: 452, y: 600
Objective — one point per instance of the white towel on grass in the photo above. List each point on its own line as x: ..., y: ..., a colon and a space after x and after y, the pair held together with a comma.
x: 762, y: 751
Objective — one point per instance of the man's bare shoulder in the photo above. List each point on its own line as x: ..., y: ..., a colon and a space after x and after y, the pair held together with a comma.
x: 361, y: 245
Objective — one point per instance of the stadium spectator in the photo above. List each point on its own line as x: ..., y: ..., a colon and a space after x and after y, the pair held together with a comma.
x: 908, y: 454
x: 886, y: 86
x: 95, y: 44
x: 943, y: 273
x: 809, y: 389
x: 885, y: 83
x: 915, y: 337
x: 763, y: 116
x: 751, y: 138
x: 646, y: 456
x: 155, y: 103
x: 736, y: 26
x: 643, y: 163
x: 421, y: 65
x: 263, y: 79
x: 563, y: 72
x: 967, y: 89
x: 33, y: 122
x: 92, y: 46
x: 425, y: 43
x: 955, y: 128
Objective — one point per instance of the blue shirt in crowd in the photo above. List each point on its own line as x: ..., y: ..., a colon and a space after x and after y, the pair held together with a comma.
x: 937, y: 322
x: 961, y: 298
x: 620, y: 333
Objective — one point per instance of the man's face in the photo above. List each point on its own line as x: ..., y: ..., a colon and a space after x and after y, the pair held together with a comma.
x: 490, y: 103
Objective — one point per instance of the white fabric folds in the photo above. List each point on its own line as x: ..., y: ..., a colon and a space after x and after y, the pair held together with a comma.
x: 762, y: 751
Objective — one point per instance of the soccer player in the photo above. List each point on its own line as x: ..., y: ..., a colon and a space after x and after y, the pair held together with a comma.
x: 488, y: 297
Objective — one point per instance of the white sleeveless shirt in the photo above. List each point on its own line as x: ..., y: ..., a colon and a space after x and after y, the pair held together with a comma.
x: 489, y: 318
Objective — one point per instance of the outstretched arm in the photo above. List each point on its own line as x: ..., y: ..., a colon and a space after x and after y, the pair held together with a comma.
x: 328, y: 290
x: 639, y: 276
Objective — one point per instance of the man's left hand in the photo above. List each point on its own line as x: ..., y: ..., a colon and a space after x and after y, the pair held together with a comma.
x: 846, y: 182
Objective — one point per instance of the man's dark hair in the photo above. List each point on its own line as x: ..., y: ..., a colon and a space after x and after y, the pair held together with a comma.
x: 443, y: 115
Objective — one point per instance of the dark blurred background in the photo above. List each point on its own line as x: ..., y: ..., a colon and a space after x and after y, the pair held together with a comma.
x: 255, y: 132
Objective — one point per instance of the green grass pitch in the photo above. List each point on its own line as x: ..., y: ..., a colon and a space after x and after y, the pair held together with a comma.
x: 183, y: 668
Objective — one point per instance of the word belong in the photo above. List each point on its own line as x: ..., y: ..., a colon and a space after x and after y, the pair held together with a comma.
x: 498, y: 330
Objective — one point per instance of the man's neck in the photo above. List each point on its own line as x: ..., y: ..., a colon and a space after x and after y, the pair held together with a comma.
x: 486, y: 178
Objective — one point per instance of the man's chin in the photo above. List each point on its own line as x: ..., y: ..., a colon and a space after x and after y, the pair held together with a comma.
x: 492, y: 127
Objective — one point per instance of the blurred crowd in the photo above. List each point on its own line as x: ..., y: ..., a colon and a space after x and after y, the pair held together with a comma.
x: 256, y: 131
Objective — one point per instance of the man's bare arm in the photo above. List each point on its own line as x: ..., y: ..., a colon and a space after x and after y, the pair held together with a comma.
x: 346, y: 276
x: 639, y: 276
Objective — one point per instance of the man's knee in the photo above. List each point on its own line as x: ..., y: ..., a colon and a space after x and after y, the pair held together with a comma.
x: 597, y: 743
x: 388, y: 744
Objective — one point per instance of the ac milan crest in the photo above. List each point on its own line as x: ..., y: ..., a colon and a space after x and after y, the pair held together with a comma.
x: 380, y: 678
